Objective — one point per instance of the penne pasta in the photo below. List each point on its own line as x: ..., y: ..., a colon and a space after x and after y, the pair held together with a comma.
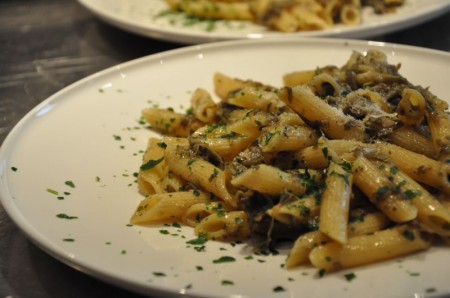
x: 350, y: 162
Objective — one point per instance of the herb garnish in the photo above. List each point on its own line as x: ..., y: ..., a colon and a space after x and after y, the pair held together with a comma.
x: 224, y: 259
x: 65, y: 216
x: 151, y: 164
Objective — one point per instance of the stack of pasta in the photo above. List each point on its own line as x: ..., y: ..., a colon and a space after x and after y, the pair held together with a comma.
x: 352, y: 162
x: 284, y: 15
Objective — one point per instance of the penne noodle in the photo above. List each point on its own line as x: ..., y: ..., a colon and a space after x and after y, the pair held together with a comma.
x: 366, y: 249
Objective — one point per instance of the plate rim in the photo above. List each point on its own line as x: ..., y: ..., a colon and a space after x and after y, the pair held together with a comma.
x: 39, y: 239
x: 368, y: 31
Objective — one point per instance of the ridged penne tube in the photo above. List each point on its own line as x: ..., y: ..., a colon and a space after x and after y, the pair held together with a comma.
x: 299, y: 254
x: 366, y: 249
x: 406, y: 137
x: 350, y: 15
x: 269, y: 180
x: 195, y: 213
x: 224, y: 84
x: 324, y: 85
x: 366, y: 224
x: 227, y: 147
x: 166, y: 207
x: 335, y: 202
x: 439, y: 125
x: 411, y: 108
x: 203, y: 106
x: 154, y: 168
x: 381, y: 191
x: 170, y: 122
x: 287, y: 138
x: 252, y: 123
x: 419, y: 167
x: 199, y: 172
x: 227, y: 226
x: 250, y: 97
x: 307, y: 19
x: 332, y: 121
x: 290, y: 118
x: 431, y: 213
x: 296, y: 212
x: 298, y: 78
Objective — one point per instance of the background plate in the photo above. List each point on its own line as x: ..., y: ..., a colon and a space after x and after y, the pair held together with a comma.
x: 144, y: 17
x: 76, y: 153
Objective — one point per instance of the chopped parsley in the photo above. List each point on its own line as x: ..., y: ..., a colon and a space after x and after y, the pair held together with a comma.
x: 65, y: 216
x: 70, y: 184
x: 226, y: 282
x: 200, y: 240
x: 408, y: 235
x: 224, y: 259
x: 151, y: 164
x: 52, y: 191
x: 159, y: 274
x: 279, y: 289
x: 350, y: 276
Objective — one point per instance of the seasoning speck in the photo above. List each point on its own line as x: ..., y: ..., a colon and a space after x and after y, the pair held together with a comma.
x: 65, y: 216
x: 224, y: 259
x: 278, y: 289
x: 350, y: 276
x: 226, y: 282
x: 70, y: 184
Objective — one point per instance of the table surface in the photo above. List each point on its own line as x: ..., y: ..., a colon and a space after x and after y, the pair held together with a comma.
x: 41, y: 55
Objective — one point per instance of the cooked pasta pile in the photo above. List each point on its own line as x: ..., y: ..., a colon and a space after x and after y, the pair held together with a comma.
x: 285, y: 15
x: 351, y: 162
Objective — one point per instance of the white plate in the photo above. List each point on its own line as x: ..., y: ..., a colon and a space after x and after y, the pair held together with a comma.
x: 89, y: 134
x: 143, y: 17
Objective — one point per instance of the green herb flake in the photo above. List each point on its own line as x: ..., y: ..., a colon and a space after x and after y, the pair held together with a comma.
x: 226, y: 282
x: 414, y: 273
x: 65, y: 216
x: 199, y: 268
x: 151, y: 164
x: 159, y: 274
x: 162, y: 145
x: 69, y: 240
x: 350, y: 276
x: 52, y: 191
x: 164, y: 232
x: 381, y: 192
x: 224, y: 259
x: 200, y: 240
x: 278, y: 289
x: 70, y: 184
x: 14, y: 169
x: 411, y: 194
x: 408, y: 235
x: 117, y: 138
x: 268, y: 136
x: 321, y: 272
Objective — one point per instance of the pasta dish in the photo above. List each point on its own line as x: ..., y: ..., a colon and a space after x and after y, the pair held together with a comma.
x: 350, y: 162
x: 285, y: 15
